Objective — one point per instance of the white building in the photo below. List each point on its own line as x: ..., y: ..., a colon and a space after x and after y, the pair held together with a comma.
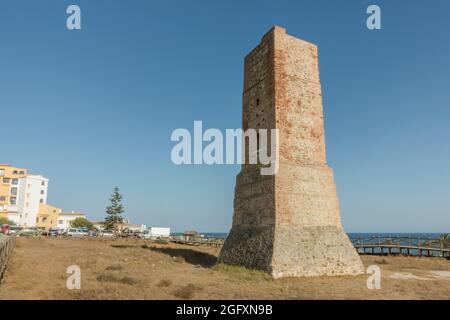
x: 158, y: 232
x: 126, y: 224
x: 65, y: 218
x: 27, y: 193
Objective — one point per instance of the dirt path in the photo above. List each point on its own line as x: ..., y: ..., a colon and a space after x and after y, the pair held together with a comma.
x: 135, y: 269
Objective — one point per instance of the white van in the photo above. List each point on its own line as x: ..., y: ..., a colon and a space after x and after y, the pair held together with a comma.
x: 75, y: 232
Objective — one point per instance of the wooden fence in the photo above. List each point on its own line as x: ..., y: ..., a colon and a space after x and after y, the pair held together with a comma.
x: 6, y: 246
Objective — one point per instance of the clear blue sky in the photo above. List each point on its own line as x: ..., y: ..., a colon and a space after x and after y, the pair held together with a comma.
x: 95, y: 108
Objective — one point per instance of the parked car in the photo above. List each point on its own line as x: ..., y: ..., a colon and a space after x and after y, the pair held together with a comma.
x: 53, y: 232
x: 14, y: 229
x: 145, y: 234
x: 137, y: 234
x: 75, y: 232
x: 125, y: 233
x: 92, y: 233
x: 84, y: 230
x: 29, y: 232
x: 106, y: 233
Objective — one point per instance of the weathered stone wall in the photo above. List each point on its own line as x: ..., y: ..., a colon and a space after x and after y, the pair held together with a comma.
x: 288, y: 224
x: 298, y: 103
x: 250, y: 241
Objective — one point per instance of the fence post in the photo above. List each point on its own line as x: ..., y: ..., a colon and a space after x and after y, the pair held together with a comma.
x: 419, y: 251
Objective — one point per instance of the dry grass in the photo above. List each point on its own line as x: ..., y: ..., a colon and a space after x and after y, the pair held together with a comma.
x: 186, y: 292
x: 113, y: 278
x: 381, y: 261
x: 139, y: 269
x: 114, y: 268
x: 164, y: 283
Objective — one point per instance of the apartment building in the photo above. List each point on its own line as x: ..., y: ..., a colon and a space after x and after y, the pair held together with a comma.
x: 32, y: 193
x: 9, y: 190
x: 23, y: 200
x: 23, y: 197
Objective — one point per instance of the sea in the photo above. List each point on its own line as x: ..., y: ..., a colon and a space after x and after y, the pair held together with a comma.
x: 411, y: 239
x: 352, y: 236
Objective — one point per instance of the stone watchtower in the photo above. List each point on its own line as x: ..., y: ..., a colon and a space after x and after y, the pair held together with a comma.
x: 288, y: 224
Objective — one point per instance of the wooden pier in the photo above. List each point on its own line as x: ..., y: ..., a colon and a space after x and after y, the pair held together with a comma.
x: 402, y: 246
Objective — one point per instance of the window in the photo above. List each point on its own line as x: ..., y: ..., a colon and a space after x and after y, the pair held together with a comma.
x: 257, y: 140
x: 44, y: 220
x: 2, y: 172
x: 21, y: 172
x: 27, y: 204
x: 43, y: 183
x: 14, y: 191
x: 41, y: 201
x: 42, y: 191
x: 13, y: 200
x: 15, y: 172
x: 2, y: 199
x: 60, y: 221
x: 6, y: 180
x: 257, y: 102
x: 15, y: 181
x: 28, y: 195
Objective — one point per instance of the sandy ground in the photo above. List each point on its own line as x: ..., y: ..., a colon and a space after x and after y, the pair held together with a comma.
x: 137, y: 269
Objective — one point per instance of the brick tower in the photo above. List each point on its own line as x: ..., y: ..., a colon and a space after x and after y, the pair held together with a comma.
x: 288, y: 224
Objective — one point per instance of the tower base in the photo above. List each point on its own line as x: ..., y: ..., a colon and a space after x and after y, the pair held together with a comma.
x: 283, y: 251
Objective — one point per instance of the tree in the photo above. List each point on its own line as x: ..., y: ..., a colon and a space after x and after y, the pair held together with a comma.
x: 6, y: 221
x: 114, y: 211
x: 81, y: 223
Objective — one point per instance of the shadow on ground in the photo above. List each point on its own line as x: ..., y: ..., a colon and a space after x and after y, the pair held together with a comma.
x: 122, y: 246
x: 205, y: 260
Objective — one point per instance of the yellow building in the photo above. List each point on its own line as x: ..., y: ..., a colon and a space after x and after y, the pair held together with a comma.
x: 9, y: 182
x: 48, y: 216
x: 23, y: 198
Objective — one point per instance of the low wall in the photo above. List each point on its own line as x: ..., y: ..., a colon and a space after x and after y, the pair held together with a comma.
x: 6, y: 246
